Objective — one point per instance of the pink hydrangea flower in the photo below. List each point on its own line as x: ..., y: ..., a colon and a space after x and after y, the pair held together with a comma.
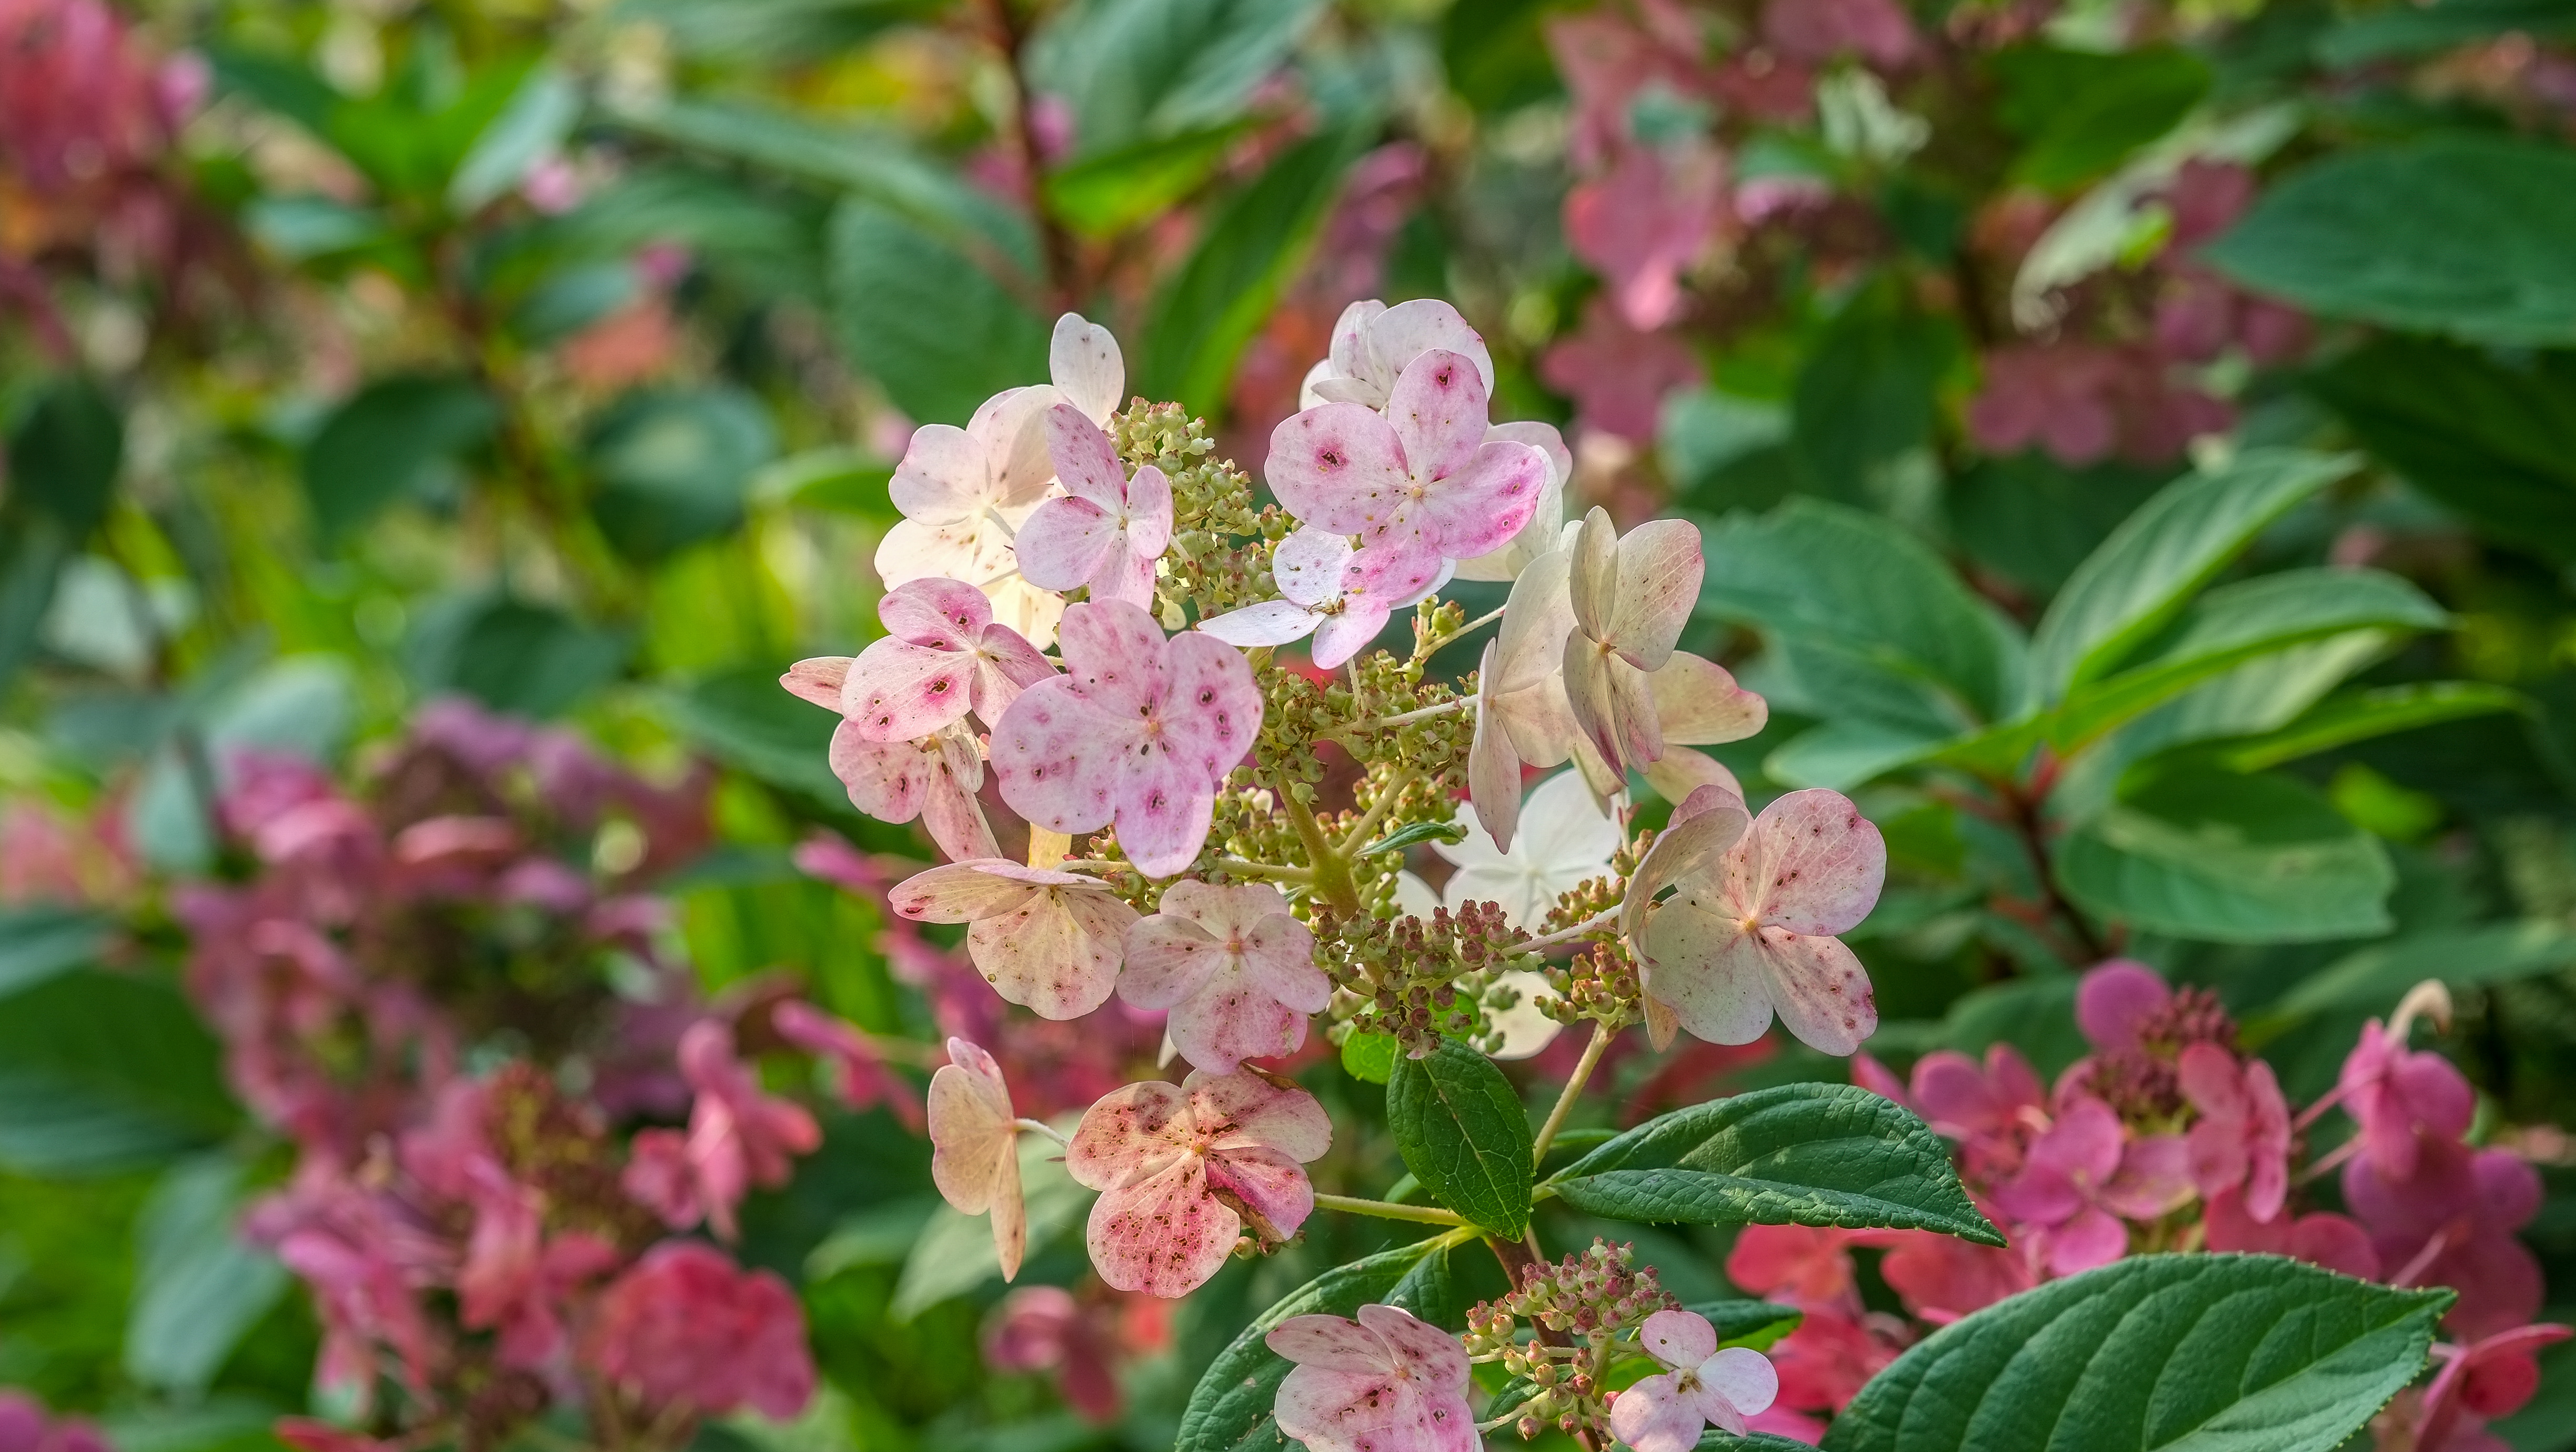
x: 686, y: 1328
x: 974, y: 1147
x: 1043, y: 1328
x: 1373, y: 344
x: 861, y: 1077
x: 1421, y: 484
x: 2399, y: 1096
x: 1181, y: 1167
x: 2452, y: 1224
x: 942, y: 657
x: 1706, y: 1387
x: 1385, y: 1382
x: 738, y: 1137
x: 1324, y: 593
x: 24, y: 1428
x: 1644, y: 222
x: 1817, y: 31
x: 1051, y: 940
x: 1832, y: 1354
x: 1139, y: 732
x: 2491, y: 1377
x: 962, y: 493
x: 1631, y: 598
x: 1107, y: 531
x: 1234, y: 967
x: 1617, y: 376
x: 1751, y: 933
x: 1942, y: 1278
x: 935, y: 779
x: 2082, y: 1178
x: 2243, y: 1135
x: 2336, y: 1242
x: 1803, y: 1265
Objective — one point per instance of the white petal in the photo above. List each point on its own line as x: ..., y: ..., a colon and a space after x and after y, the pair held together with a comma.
x: 1084, y: 361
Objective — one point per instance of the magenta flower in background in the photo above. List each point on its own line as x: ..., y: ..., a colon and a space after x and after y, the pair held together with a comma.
x: 1043, y: 1328
x: 1385, y: 1382
x: 2243, y: 1134
x: 1180, y: 1167
x: 2082, y: 1179
x: 738, y: 1137
x: 1644, y: 223
x: 861, y: 1077
x: 2453, y: 1223
x: 2401, y: 1099
x: 685, y: 1328
x: 1618, y: 376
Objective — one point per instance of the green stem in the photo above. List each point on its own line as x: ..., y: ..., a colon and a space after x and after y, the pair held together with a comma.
x: 1332, y: 870
x: 1591, y: 1060
x: 1359, y: 834
x: 1241, y: 867
x: 1389, y: 1210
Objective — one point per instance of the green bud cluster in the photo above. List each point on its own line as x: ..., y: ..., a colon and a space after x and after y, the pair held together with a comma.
x: 1221, y: 540
x: 1413, y: 979
x: 1577, y: 1310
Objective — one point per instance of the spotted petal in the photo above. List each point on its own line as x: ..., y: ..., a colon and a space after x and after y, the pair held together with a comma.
x: 1164, y: 1235
x: 941, y: 613
x: 896, y: 691
x: 1403, y: 333
x: 1339, y: 466
x: 1065, y: 542
x: 1660, y: 566
x: 1308, y: 565
x: 1653, y: 1416
x: 1085, y: 365
x: 1058, y: 952
x: 1438, y: 412
x: 1272, y: 622
x: 819, y: 679
x: 1058, y: 757
x: 964, y: 892
x: 1481, y: 506
x: 1697, y: 703
x: 1084, y: 460
x: 1681, y: 1339
x: 1812, y: 864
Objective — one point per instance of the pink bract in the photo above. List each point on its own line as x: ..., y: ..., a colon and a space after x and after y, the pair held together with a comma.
x: 1180, y: 1167
x: 1644, y: 223
x: 1385, y: 1382
x: 1754, y: 934
x: 1050, y: 940
x: 1107, y: 531
x: 2243, y: 1135
x: 974, y: 1147
x: 2116, y: 999
x: 738, y: 1135
x: 1139, y: 732
x: 687, y: 1329
x: 862, y: 1079
x: 2399, y: 1096
x: 1233, y: 966
x: 1706, y: 1387
x: 942, y: 656
x: 2082, y: 1179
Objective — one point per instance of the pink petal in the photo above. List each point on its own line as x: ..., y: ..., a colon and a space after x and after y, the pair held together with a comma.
x: 1592, y: 574
x: 1223, y: 911
x: 1821, y: 991
x: 1058, y: 757
x: 1438, y: 411
x: 888, y: 780
x: 1125, y: 574
x: 1231, y: 1019
x: 1612, y: 703
x: 970, y: 1127
x: 1346, y: 1411
x: 2154, y: 1177
x: 1280, y: 952
x: 949, y: 808
x: 1212, y: 713
x: 1169, y: 959
x: 1744, y: 1377
x: 2093, y: 1237
x: 1163, y: 1235
x: 1062, y: 545
x: 1084, y: 364
x: 1660, y: 566
x: 2218, y: 1159
x: 1272, y: 622
x: 1010, y: 1214
x: 1057, y: 953
x: 1163, y: 807
x: 2084, y: 1145
x: 1114, y: 655
x: 901, y: 692
x: 1339, y: 637
x: 1403, y: 333
x: 1337, y: 465
x: 1697, y: 703
x: 1129, y: 1133
x: 1251, y: 1109
x: 1330, y: 1343
x: 1704, y: 967
x: 2210, y: 1078
x: 1012, y: 426
x: 1433, y: 1355
x: 962, y: 892
x: 1005, y: 665
x: 1265, y: 1183
x: 2267, y: 1182
x: 1652, y: 1416
x: 818, y: 680
x: 1349, y: 352
x: 1681, y: 1339
x: 1811, y: 864
x: 1307, y: 565
x: 1149, y: 512
x: 1083, y: 458
x: 2115, y: 999
x: 942, y: 476
x: 1493, y: 772
x: 1703, y: 826
x: 1481, y: 506
x: 943, y: 614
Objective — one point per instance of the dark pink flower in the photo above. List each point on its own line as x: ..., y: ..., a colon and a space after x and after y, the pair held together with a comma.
x: 1043, y: 1328
x: 25, y: 1428
x: 1386, y: 1382
x: 687, y: 1328
x: 862, y: 1078
x: 1643, y: 223
x: 2399, y: 1097
x: 2489, y: 1378
x: 1799, y: 1264
x: 2117, y: 1000
x: 2452, y: 1224
x: 1617, y: 376
x: 2083, y: 1178
x: 739, y: 1136
x: 2334, y: 1241
x: 2243, y: 1135
x: 1832, y: 1355
x: 1942, y: 1278
x: 1817, y: 31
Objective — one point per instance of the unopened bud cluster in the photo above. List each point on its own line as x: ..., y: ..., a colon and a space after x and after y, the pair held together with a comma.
x: 1578, y: 1309
x: 1220, y: 549
x: 1600, y: 985
x: 1405, y: 977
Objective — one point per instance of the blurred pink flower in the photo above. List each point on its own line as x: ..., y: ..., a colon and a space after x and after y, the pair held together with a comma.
x: 1616, y: 375
x: 1644, y: 222
x: 1834, y: 1352
x: 2083, y: 1178
x: 2452, y: 1223
x: 2401, y: 1099
x: 1043, y: 1328
x: 24, y: 1427
x: 1385, y: 1382
x: 1942, y: 1278
x: 2334, y: 1241
x: 1817, y: 31
x: 686, y: 1328
x: 861, y: 1078
x: 2243, y: 1134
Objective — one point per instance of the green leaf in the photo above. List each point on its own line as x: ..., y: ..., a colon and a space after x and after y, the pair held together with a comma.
x: 2201, y: 853
x: 104, y: 1071
x: 2236, y: 623
x: 513, y: 656
x: 1109, y: 193
x: 1714, y: 1440
x: 748, y: 722
x: 1370, y: 1058
x: 38, y: 942
x: 2460, y: 235
x: 1254, y: 243
x: 32, y: 555
x: 1845, y: 754
x: 674, y: 466
x: 1757, y: 1324
x: 2360, y: 715
x: 1864, y: 395
x: 540, y: 114
x: 770, y: 31
x: 2492, y: 439
x: 1136, y: 70
x: 2032, y: 520
x: 2419, y: 29
x: 2083, y: 112
x: 954, y: 1253
x: 2160, y: 556
x: 1864, y: 601
x: 199, y: 1287
x: 1229, y: 1410
x: 1793, y: 1154
x: 929, y: 325
x: 1414, y: 836
x: 391, y: 439
x: 2375, y: 977
x: 64, y: 453
x: 2214, y: 1352
x: 1462, y: 1131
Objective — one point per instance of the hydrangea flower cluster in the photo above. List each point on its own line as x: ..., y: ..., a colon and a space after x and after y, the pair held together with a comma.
x: 500, y: 1239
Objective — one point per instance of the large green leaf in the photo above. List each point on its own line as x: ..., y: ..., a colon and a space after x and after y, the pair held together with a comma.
x: 199, y: 1287
x: 748, y: 722
x: 512, y: 655
x: 2202, y: 853
x: 2192, y: 1353
x: 1254, y: 243
x: 1229, y: 1410
x: 1463, y: 1133
x: 2236, y: 623
x: 2472, y: 957
x: 102, y: 1071
x: 2491, y: 438
x: 1846, y: 594
x: 1134, y: 70
x: 1794, y: 1154
x: 389, y: 440
x: 2360, y: 715
x: 64, y: 453
x: 2460, y: 235
x: 38, y: 942
x: 1865, y: 394
x: 2405, y: 30
x: 674, y: 465
x: 1111, y: 192
x: 2160, y: 556
x: 932, y: 327
x: 2084, y: 111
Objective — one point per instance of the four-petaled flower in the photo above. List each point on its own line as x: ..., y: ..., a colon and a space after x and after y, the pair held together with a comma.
x: 1420, y: 485
x: 1386, y: 1382
x: 1236, y: 970
x: 974, y: 1147
x: 738, y: 1136
x: 1324, y: 592
x: 1139, y: 731
x: 1567, y: 840
x: 1107, y: 531
x: 2081, y: 1179
x: 935, y: 779
x: 1182, y: 1169
x: 1752, y: 931
x: 1630, y: 599
x: 1051, y: 940
x: 2394, y: 1092
x: 1706, y: 1387
x: 2243, y: 1135
x: 964, y: 493
x: 942, y: 656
